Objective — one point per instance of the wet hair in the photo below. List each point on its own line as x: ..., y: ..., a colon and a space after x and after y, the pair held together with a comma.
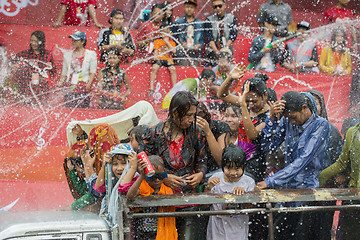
x: 166, y: 20
x: 272, y: 96
x: 202, y: 111
x: 225, y: 54
x: 114, y: 51
x: 40, y: 35
x: 295, y: 101
x: 157, y: 5
x: 138, y: 131
x: 233, y: 156
x: 207, y: 73
x: 262, y: 76
x: 257, y: 85
x: 156, y: 161
x: 343, y: 43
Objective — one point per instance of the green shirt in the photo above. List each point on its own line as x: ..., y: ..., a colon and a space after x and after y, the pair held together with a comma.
x: 87, y: 199
x: 350, y: 155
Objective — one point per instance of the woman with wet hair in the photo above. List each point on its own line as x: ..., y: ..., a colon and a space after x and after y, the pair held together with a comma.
x: 33, y: 68
x: 335, y: 59
x: 181, y: 144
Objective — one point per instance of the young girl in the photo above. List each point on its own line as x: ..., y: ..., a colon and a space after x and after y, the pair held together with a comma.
x: 231, y: 180
x: 233, y: 117
x: 335, y: 59
x: 153, y: 228
x: 110, y: 79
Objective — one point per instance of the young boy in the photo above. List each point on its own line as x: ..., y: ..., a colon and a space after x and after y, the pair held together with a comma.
x: 76, y: 13
x: 135, y: 136
x: 153, y: 228
x: 189, y: 32
x: 164, y: 49
x: 116, y: 37
x: 231, y: 180
x: 265, y: 58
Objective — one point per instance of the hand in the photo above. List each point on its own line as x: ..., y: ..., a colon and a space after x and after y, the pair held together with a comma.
x: 166, y: 39
x: 203, y: 125
x: 260, y: 185
x: 340, y: 180
x: 242, y: 97
x: 107, y: 157
x: 274, y: 45
x: 194, y: 180
x: 212, y: 182
x: 197, y: 47
x: 237, y: 72
x: 87, y: 160
x: 122, y: 99
x: 133, y: 161
x: 173, y: 181
x: 69, y: 164
x: 293, y: 67
x: 265, y: 50
x: 98, y: 25
x: 57, y: 24
x: 276, y: 108
x: 238, y: 191
x: 141, y: 167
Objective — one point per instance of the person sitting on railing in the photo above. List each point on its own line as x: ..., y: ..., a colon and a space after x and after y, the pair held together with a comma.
x: 110, y: 81
x: 153, y: 228
x: 117, y: 36
x: 263, y: 57
x: 299, y: 55
x: 335, y: 59
x: 294, y: 120
x: 231, y: 180
x: 181, y: 144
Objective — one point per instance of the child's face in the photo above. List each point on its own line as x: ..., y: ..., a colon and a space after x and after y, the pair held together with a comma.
x: 133, y: 142
x: 117, y: 21
x: 270, y: 27
x: 155, y: 184
x: 232, y: 119
x: 232, y: 173
x: 113, y: 60
x: 118, y: 164
x: 207, y: 82
x: 339, y: 37
x: 157, y: 15
x: 224, y: 65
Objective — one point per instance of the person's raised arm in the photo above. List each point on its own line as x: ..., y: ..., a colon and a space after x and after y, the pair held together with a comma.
x: 88, y: 161
x: 223, y: 92
x: 133, y: 167
x: 60, y: 17
x: 92, y: 15
x: 134, y: 189
x: 101, y: 176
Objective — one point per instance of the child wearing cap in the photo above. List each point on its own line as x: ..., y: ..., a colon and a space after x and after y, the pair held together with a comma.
x: 299, y: 57
x: 265, y: 58
x: 117, y: 36
x: 79, y: 69
x: 110, y: 81
x: 153, y: 228
x: 164, y: 49
x: 76, y: 13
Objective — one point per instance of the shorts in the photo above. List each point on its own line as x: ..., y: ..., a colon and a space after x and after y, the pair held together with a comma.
x: 165, y: 63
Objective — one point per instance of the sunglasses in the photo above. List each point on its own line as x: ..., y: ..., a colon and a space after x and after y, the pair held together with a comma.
x: 217, y: 6
x: 159, y: 176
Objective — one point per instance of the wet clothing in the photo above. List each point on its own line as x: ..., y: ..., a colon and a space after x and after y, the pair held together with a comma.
x: 262, y: 61
x: 330, y: 62
x: 305, y: 148
x: 256, y: 160
x: 281, y: 11
x: 332, y: 14
x: 146, y: 30
x: 110, y: 37
x: 229, y: 227
x: 193, y: 155
x: 28, y: 76
x: 77, y: 12
x: 293, y: 54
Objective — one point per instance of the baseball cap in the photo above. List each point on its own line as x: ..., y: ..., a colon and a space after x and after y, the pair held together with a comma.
x: 122, y: 148
x: 79, y: 35
x: 114, y: 12
x: 272, y: 20
x: 303, y: 24
x: 192, y: 2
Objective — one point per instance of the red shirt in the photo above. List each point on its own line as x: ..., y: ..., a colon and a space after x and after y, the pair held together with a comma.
x: 75, y: 7
x: 333, y: 13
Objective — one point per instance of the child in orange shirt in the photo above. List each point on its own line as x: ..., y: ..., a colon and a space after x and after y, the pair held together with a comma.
x: 164, y: 49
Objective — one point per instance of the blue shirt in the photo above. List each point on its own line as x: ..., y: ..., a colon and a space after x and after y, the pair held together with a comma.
x: 180, y: 26
x: 305, y: 148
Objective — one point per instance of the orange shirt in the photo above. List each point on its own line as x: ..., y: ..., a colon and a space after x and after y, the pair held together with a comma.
x: 163, y: 52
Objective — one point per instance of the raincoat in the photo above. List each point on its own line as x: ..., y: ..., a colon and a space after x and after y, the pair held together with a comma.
x: 305, y: 148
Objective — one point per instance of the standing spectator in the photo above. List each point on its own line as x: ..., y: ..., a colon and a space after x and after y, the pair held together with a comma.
x: 188, y: 30
x: 220, y: 31
x: 110, y: 81
x: 299, y: 57
x: 134, y: 10
x: 168, y: 13
x: 31, y: 69
x: 77, y: 13
x: 263, y: 57
x: 306, y: 137
x: 164, y: 49
x: 149, y: 32
x: 79, y: 69
x: 116, y: 36
x: 278, y: 9
x: 335, y: 59
x: 339, y: 11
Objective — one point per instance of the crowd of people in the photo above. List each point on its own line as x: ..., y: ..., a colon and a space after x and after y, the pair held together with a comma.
x: 257, y: 140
